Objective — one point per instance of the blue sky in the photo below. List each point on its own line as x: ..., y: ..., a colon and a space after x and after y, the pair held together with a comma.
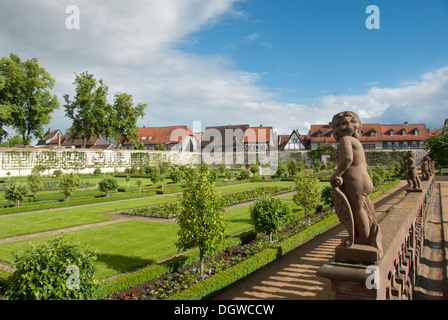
x: 316, y: 47
x: 284, y: 63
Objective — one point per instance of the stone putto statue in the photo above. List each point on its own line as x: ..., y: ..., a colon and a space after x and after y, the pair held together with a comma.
x: 352, y: 184
x: 412, y: 177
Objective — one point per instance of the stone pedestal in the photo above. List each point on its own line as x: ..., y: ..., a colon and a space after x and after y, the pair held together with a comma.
x: 357, y: 253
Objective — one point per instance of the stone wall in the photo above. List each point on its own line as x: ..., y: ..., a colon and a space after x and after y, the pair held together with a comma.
x: 19, y: 162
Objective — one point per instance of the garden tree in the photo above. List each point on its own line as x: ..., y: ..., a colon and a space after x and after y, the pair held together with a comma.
x: 89, y: 109
x: 35, y: 181
x: 177, y: 175
x: 108, y: 184
x: 4, y: 119
x: 214, y: 175
x: 245, y: 174
x: 437, y: 147
x: 16, y: 192
x: 222, y: 168
x: 53, y: 270
x: 12, y: 141
x: 191, y: 173
x: 281, y: 169
x: 69, y: 183
x: 292, y: 167
x: 139, y: 184
x: 327, y: 196
x: 128, y: 178
x: 155, y: 175
x: 228, y: 174
x: 254, y: 169
x: 307, y: 194
x: 160, y: 147
x: 122, y: 121
x: 201, y: 217
x: 25, y: 96
x: 268, y: 215
x: 394, y: 169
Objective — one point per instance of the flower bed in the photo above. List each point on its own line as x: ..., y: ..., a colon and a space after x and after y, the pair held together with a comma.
x: 169, y: 210
x: 228, y: 266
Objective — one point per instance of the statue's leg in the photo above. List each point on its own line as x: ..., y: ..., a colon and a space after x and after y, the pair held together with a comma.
x: 360, y: 216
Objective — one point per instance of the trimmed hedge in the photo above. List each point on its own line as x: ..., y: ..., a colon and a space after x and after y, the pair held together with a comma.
x: 244, y: 268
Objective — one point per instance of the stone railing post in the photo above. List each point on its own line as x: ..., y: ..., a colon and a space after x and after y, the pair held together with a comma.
x: 355, y: 272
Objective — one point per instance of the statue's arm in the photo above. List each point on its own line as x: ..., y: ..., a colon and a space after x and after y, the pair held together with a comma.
x: 345, y: 160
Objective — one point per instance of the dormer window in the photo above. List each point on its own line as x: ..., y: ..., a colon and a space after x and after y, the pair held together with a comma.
x: 372, y: 133
x: 331, y: 134
x: 319, y: 134
x: 403, y: 132
x: 416, y: 132
x: 391, y: 132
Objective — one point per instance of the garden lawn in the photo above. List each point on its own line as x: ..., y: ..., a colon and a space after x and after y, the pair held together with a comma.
x: 128, y: 245
x: 41, y: 221
x: 253, y: 185
x: 121, y: 247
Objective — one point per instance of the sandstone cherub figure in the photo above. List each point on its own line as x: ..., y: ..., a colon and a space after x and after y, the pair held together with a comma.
x: 352, y: 178
x: 412, y: 174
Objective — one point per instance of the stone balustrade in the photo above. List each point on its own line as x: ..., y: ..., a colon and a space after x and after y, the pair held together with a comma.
x: 355, y: 273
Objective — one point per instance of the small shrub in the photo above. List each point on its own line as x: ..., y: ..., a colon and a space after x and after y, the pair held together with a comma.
x: 46, y: 271
x: 108, y: 184
x: 268, y: 215
x: 245, y: 174
x: 16, y: 192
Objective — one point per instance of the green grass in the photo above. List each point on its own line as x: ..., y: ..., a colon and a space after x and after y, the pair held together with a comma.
x: 40, y: 221
x: 124, y: 246
x: 121, y: 247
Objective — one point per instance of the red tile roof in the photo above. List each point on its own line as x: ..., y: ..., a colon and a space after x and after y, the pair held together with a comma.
x: 156, y: 135
x: 258, y: 135
x: 409, y: 129
x: 382, y: 133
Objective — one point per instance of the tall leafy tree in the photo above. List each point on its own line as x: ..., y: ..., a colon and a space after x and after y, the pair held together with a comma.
x: 24, y: 93
x: 89, y: 109
x: 308, y: 194
x: 201, y: 219
x: 123, y: 118
x: 437, y: 147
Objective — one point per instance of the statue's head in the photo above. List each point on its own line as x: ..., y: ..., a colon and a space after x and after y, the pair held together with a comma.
x: 346, y: 123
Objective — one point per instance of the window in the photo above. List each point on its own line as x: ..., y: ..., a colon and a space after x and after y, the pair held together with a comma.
x: 319, y: 134
x: 143, y: 138
x: 389, y: 145
x: 416, y: 132
x: 391, y: 132
x: 396, y: 145
x: 403, y: 132
x: 372, y: 133
x: 405, y: 144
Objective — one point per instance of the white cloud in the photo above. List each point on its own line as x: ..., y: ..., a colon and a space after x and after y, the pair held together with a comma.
x: 132, y: 47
